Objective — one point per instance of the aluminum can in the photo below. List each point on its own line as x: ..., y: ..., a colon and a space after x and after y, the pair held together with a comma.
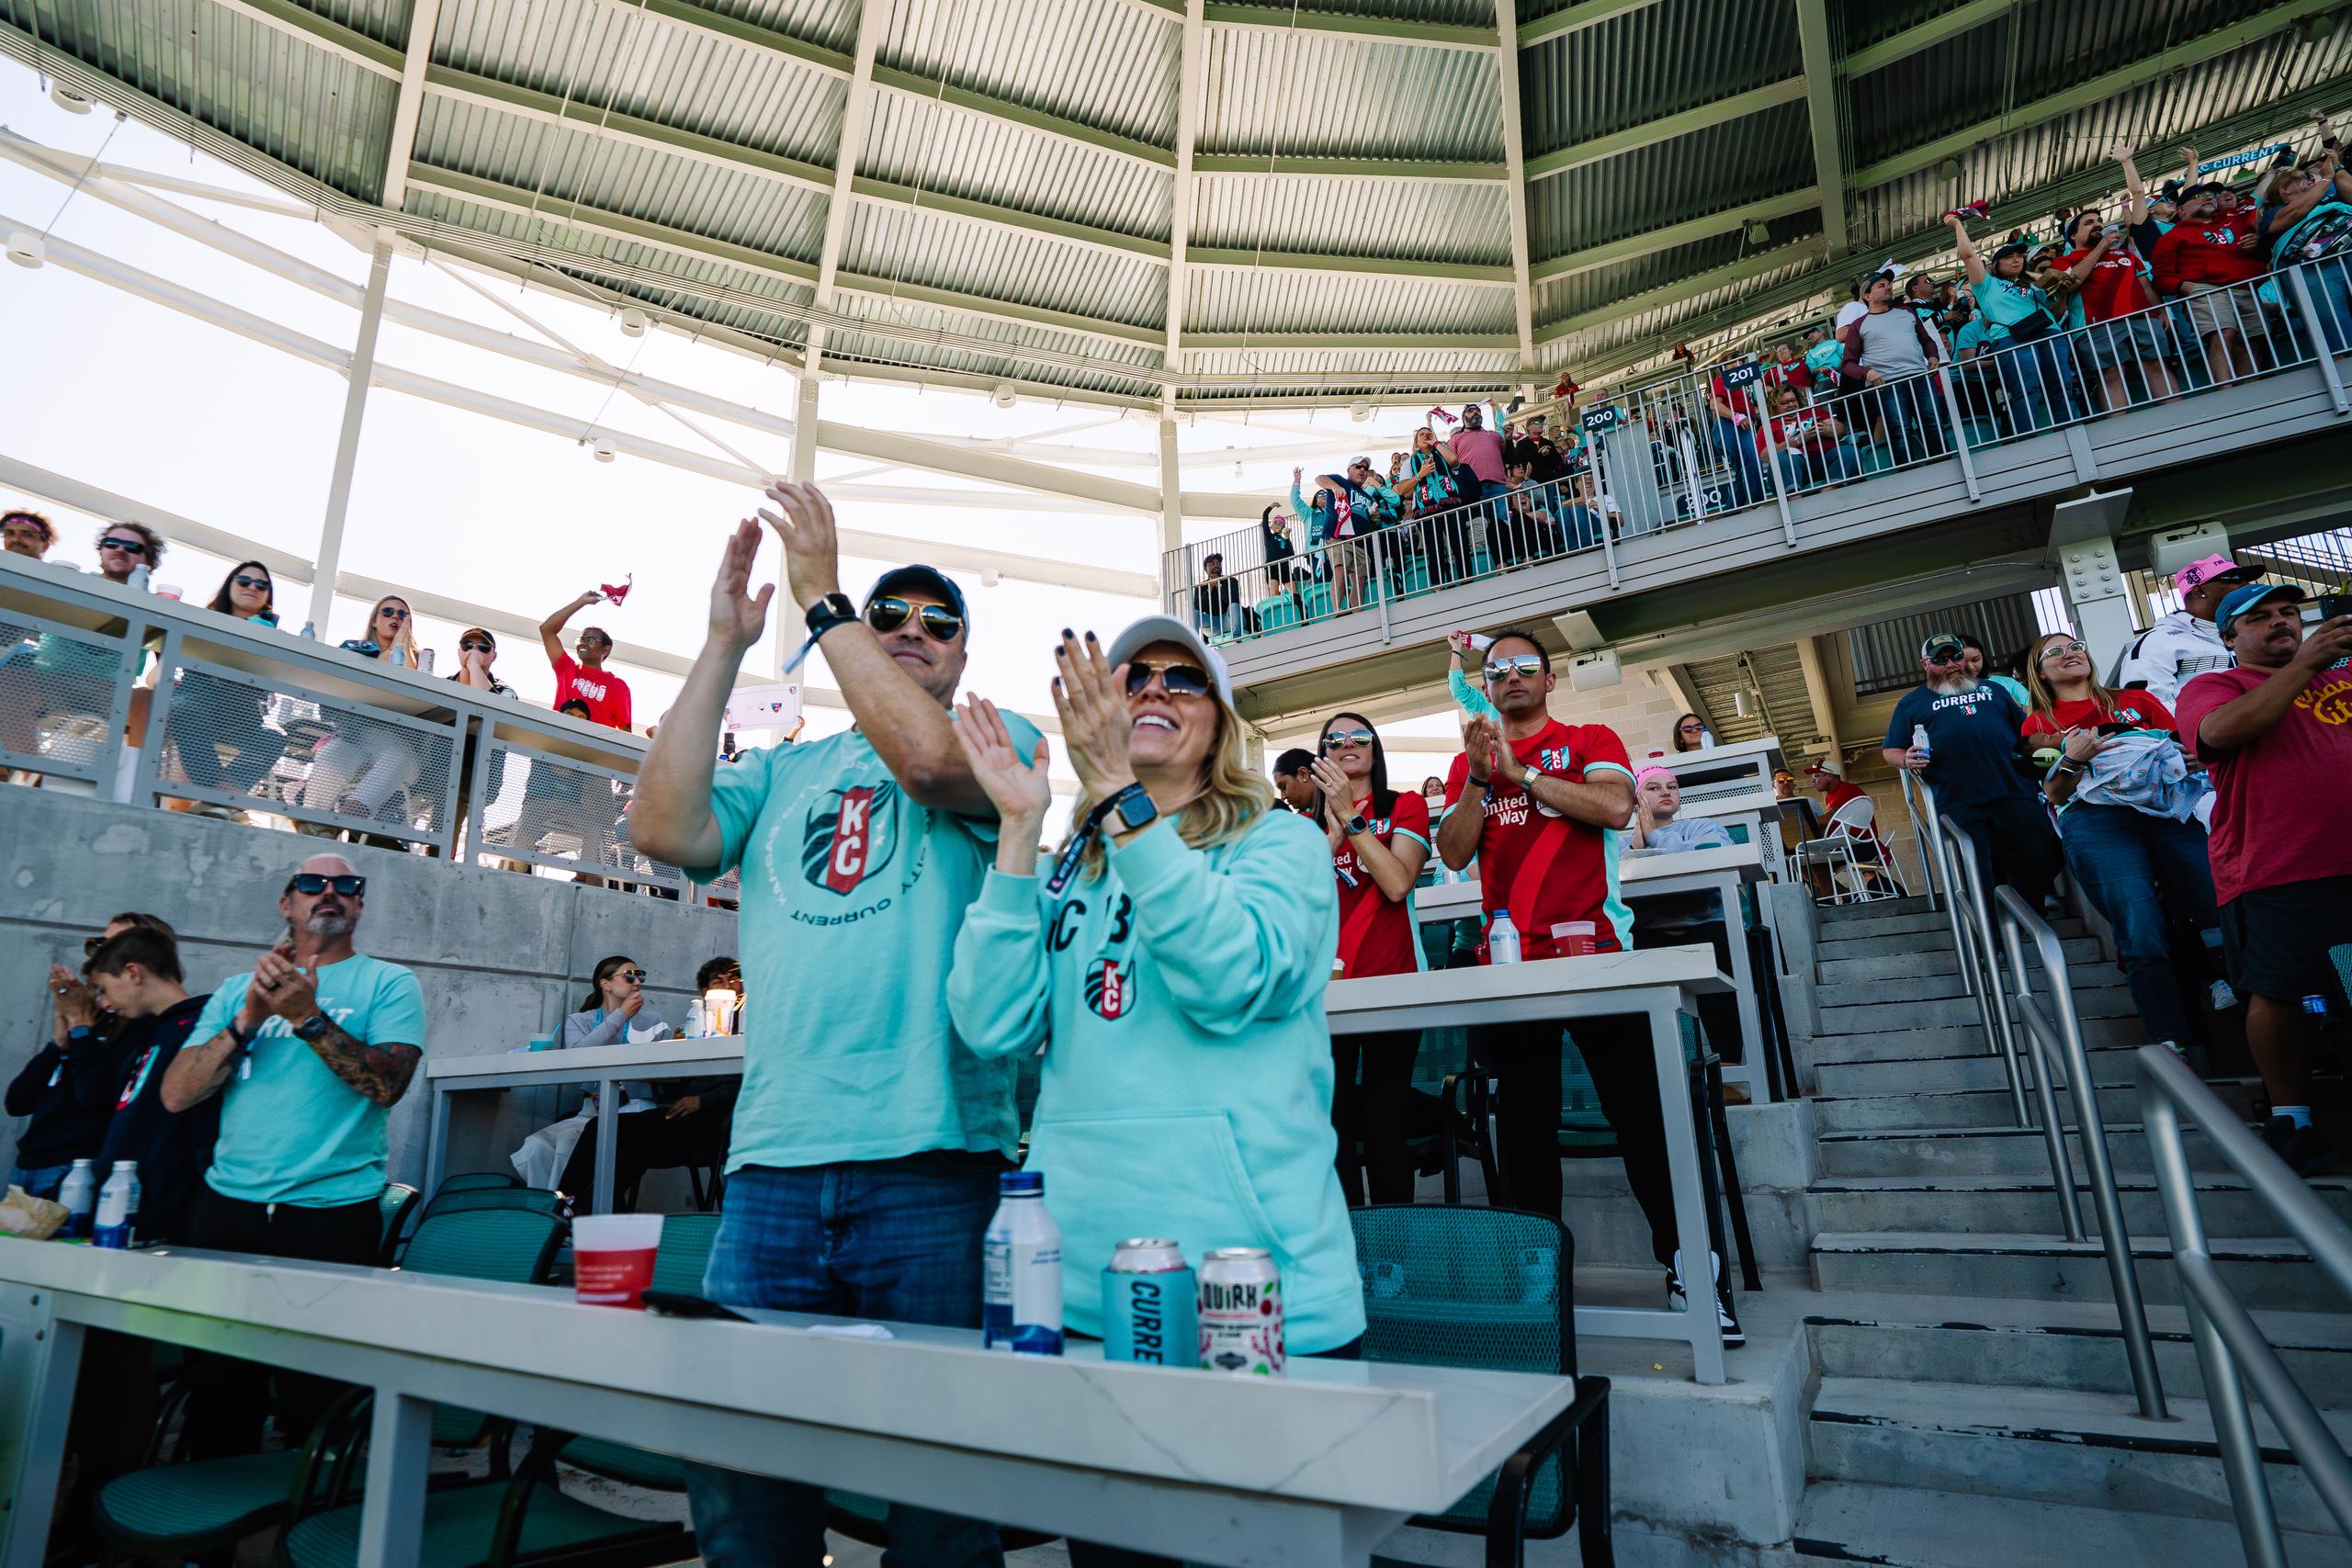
x: 424, y: 661
x: 1148, y: 1306
x: 1021, y: 1268
x: 1242, y: 1313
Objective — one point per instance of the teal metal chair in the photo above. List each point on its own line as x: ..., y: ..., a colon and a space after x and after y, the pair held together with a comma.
x: 398, y: 1202
x: 1491, y: 1289
x: 531, y: 1200
x: 176, y: 1511
x: 469, y: 1180
x: 2342, y: 957
x: 1275, y: 612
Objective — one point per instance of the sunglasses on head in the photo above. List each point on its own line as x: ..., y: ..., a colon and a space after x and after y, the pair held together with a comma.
x: 129, y: 546
x: 258, y: 584
x: 314, y: 883
x: 392, y: 612
x: 2063, y: 648
x: 1339, y: 738
x: 90, y: 945
x: 1527, y: 666
x: 938, y: 621
x: 1176, y: 679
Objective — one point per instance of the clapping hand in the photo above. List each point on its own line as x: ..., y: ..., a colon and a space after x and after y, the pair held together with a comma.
x: 77, y: 1005
x: 811, y: 544
x: 284, y: 988
x: 1482, y: 741
x: 1090, y: 698
x: 1019, y: 789
x: 737, y: 616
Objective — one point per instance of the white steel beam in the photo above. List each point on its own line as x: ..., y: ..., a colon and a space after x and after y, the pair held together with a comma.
x: 1574, y: 18
x: 1821, y: 110
x: 295, y: 21
x: 1338, y: 25
x: 425, y: 17
x: 1179, y: 218
x: 1171, y: 496
x: 1522, y: 291
x: 856, y: 111
x: 346, y: 445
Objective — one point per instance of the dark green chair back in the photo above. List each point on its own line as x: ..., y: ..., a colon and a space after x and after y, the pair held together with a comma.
x: 474, y: 1179
x: 684, y: 1252
x: 516, y: 1246
x: 532, y: 1200
x: 2342, y: 954
x: 393, y: 1206
x: 1490, y: 1289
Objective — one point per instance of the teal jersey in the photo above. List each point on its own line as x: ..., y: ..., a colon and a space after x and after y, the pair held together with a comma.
x: 851, y: 896
x: 1186, y: 1090
x: 291, y: 1131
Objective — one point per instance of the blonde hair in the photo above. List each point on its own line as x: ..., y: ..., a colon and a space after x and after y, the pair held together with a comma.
x: 2045, y: 699
x: 406, y: 642
x: 1232, y: 796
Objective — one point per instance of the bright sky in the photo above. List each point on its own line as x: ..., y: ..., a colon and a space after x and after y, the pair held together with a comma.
x: 182, y: 416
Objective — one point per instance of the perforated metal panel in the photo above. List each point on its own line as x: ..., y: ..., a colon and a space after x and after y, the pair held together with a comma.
x: 62, y: 696
x: 557, y: 811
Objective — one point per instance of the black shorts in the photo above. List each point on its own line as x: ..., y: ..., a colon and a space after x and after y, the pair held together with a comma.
x: 2277, y: 938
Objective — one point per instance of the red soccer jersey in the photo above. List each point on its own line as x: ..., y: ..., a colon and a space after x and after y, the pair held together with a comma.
x: 2272, y: 821
x: 2113, y: 287
x: 1376, y: 933
x: 1543, y: 867
x: 2138, y: 709
x: 606, y: 693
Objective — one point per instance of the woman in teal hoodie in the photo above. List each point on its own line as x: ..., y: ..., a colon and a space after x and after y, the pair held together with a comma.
x: 1174, y: 978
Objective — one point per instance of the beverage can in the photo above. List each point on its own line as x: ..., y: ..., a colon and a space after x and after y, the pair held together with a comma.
x: 79, y: 1193
x: 424, y: 661
x: 1242, y: 1313
x: 1021, y: 1271
x: 118, y: 1218
x: 1150, y: 1305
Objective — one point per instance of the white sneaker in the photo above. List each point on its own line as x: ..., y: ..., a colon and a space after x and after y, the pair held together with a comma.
x: 1678, y: 1300
x: 2224, y: 998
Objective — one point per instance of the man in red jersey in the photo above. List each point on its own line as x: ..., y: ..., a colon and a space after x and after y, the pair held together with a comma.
x: 1552, y: 800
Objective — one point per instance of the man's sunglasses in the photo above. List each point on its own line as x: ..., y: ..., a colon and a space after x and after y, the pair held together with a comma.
x: 1527, y: 666
x: 258, y: 584
x: 1176, y: 679
x: 1943, y: 659
x: 1339, y: 738
x: 2056, y: 647
x: 476, y: 645
x: 314, y: 883
x: 393, y: 613
x: 938, y: 621
x: 129, y: 546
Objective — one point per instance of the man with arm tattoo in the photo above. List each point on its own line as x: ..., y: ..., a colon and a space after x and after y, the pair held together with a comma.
x: 308, y: 1052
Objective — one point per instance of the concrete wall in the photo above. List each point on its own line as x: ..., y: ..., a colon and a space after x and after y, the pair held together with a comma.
x: 1642, y: 708
x: 501, y: 956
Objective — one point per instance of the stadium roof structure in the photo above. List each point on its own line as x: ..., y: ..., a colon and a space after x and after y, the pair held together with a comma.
x: 1190, y: 204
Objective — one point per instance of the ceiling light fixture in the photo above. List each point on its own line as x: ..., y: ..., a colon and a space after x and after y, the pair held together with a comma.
x: 69, y: 100
x: 25, y: 248
x: 1005, y: 395
x: 634, y: 321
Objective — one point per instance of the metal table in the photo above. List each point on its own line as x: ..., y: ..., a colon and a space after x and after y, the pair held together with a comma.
x: 1657, y: 984
x: 1310, y: 1471
x: 603, y: 1065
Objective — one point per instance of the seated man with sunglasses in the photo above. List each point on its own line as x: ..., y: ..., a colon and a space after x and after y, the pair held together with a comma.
x: 868, y: 1137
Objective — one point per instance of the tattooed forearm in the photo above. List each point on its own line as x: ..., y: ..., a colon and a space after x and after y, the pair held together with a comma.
x: 380, y: 1072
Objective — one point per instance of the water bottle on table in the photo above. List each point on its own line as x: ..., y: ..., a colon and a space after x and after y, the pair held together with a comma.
x: 80, y: 1196
x: 1021, y: 1269
x: 118, y: 1207
x: 1502, y: 938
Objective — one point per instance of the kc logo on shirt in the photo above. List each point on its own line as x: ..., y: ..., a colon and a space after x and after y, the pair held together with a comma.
x: 852, y: 833
x: 1109, y: 990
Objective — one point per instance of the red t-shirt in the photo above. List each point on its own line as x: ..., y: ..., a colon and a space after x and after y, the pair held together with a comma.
x: 2272, y: 820
x: 2208, y: 253
x: 1543, y: 867
x: 1377, y: 935
x: 2138, y: 709
x: 606, y: 693
x: 2113, y: 287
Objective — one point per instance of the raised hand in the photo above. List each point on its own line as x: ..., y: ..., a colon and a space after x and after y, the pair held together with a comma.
x: 812, y: 551
x: 269, y: 969
x: 290, y: 994
x: 1334, y: 784
x: 1019, y: 789
x: 737, y: 616
x: 77, y: 1005
x: 1090, y: 697
x: 1481, y: 742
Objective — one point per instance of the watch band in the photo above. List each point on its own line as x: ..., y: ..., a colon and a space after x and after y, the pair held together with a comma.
x: 1356, y: 824
x: 312, y: 1027
x: 1133, y: 807
x: 243, y: 1040
x: 833, y: 610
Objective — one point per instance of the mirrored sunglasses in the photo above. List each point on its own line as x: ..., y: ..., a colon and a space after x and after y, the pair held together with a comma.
x: 938, y: 621
x: 313, y: 883
x: 1527, y: 666
x: 2057, y: 648
x: 634, y: 976
x: 1176, y: 679
x: 1339, y: 738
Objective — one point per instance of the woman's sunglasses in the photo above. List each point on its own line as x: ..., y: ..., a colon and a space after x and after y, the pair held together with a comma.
x: 938, y: 621
x: 314, y: 883
x: 634, y: 976
x: 1176, y: 679
x: 1527, y: 665
x: 127, y: 547
x: 258, y: 584
x: 393, y: 613
x: 1334, y: 739
x: 2059, y: 648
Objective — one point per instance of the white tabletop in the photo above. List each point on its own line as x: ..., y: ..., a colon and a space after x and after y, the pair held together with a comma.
x: 673, y: 1058
x: 1374, y: 1434
x: 1539, y: 984
x: 1638, y: 873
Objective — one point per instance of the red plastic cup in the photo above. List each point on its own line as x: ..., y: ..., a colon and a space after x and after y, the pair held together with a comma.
x: 612, y: 1258
x: 1575, y: 938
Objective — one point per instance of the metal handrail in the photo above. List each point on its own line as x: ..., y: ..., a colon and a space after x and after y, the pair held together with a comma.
x: 2058, y: 1032
x: 1972, y: 919
x: 2231, y: 1349
x: 1922, y: 812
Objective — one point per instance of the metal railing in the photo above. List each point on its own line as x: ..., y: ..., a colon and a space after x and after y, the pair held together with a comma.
x: 2231, y: 1351
x: 1705, y: 444
x: 243, y: 717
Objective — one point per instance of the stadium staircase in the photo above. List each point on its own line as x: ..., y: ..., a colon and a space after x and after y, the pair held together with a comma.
x: 1972, y: 1404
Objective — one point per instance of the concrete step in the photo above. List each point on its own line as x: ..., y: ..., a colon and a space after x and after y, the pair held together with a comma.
x: 2053, y: 1446
x: 2000, y: 1205
x: 1916, y: 984
x: 1934, y: 1152
x: 1988, y: 1107
x: 1846, y: 1522
x: 1958, y: 1064
x: 1921, y: 932
x: 2047, y: 1344
x: 1913, y: 960
x: 1829, y: 916
x: 1890, y: 1013
x: 1855, y: 926
x: 2265, y: 1271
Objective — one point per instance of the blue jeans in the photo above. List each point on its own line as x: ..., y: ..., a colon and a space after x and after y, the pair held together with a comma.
x: 2132, y: 866
x: 1738, y: 448
x: 40, y: 1181
x: 2033, y: 378
x: 895, y: 1239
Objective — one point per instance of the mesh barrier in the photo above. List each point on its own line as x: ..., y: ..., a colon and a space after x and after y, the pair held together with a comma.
x: 57, y: 696
x: 729, y: 886
x: 241, y: 739
x: 555, y: 811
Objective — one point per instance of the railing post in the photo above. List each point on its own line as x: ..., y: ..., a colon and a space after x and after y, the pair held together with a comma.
x: 1772, y: 461
x: 1993, y: 1000
x: 1601, y: 488
x: 1380, y: 579
x: 2053, y: 1127
x: 2321, y: 349
x: 1942, y: 379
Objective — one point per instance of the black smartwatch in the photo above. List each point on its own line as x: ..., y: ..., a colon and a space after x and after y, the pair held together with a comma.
x: 313, y: 1028
x: 1358, y: 825
x: 833, y: 610
x: 1133, y: 807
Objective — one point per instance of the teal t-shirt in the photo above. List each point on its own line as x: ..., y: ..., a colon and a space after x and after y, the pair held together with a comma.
x: 291, y: 1131
x: 852, y: 897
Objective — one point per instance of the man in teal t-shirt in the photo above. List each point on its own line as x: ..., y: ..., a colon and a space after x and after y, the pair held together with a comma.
x: 310, y: 1050
x: 868, y: 1137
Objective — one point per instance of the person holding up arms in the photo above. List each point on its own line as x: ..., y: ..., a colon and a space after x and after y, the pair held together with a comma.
x: 1175, y: 958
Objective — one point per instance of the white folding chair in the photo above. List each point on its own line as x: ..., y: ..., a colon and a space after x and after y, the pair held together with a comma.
x: 1852, y: 822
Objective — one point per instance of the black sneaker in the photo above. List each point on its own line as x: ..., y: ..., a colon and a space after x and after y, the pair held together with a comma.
x: 2305, y: 1150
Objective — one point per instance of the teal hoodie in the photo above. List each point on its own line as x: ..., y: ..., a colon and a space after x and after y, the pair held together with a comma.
x: 1187, y: 1083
